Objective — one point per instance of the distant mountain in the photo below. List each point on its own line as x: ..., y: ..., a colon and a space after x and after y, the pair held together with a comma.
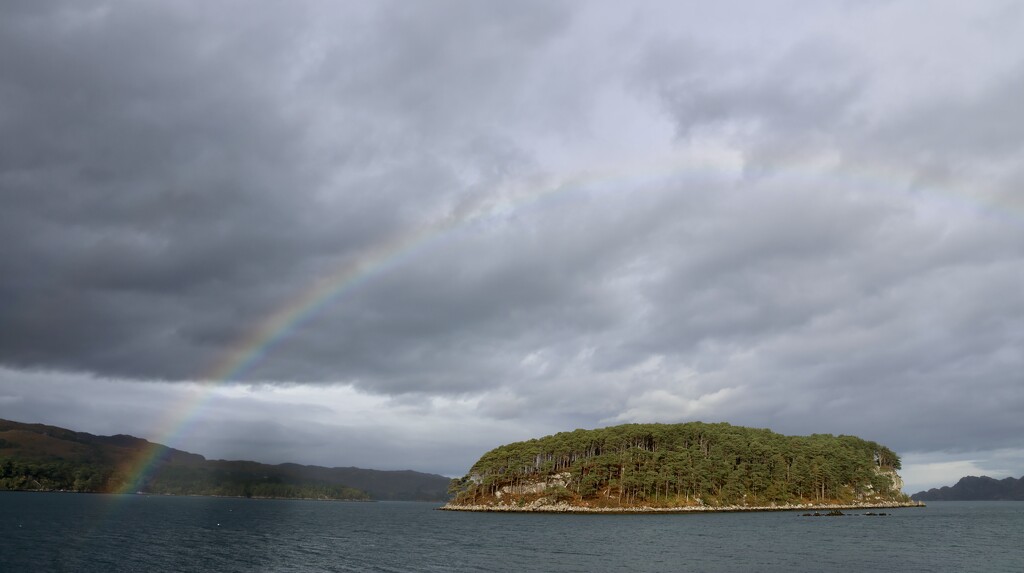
x: 973, y: 488
x: 40, y: 457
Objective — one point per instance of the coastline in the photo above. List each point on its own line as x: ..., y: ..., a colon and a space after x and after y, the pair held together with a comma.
x: 152, y: 494
x: 567, y: 508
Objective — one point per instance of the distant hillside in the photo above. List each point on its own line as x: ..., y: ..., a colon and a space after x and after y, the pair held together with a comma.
x: 973, y: 488
x: 40, y: 457
x: 680, y: 466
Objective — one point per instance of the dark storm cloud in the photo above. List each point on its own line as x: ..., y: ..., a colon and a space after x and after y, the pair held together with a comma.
x: 167, y: 182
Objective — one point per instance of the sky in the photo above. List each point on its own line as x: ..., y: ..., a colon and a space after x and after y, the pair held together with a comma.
x: 396, y: 235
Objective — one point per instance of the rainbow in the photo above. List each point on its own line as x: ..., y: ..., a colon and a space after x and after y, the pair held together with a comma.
x: 325, y: 290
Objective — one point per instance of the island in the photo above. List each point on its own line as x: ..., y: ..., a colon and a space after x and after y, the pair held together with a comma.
x: 686, y: 467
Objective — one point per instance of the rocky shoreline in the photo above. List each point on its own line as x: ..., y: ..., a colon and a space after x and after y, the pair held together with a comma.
x: 537, y: 507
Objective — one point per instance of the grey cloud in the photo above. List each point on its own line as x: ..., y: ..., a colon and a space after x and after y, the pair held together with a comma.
x: 777, y: 101
x: 952, y: 131
x: 162, y: 175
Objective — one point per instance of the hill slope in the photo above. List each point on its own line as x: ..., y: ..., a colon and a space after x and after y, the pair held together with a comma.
x: 971, y: 488
x: 681, y: 466
x: 40, y: 457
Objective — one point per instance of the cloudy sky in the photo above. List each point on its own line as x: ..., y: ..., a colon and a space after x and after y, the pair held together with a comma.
x: 398, y: 234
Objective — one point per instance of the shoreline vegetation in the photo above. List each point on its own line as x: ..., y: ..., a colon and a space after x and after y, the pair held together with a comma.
x: 568, y: 508
x: 681, y: 468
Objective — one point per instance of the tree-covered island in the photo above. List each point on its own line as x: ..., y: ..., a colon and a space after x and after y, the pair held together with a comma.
x: 681, y: 467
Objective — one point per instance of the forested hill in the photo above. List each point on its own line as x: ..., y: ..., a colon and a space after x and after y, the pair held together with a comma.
x: 682, y: 465
x: 40, y: 457
x: 971, y: 488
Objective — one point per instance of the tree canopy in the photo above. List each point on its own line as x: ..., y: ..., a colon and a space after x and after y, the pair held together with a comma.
x: 682, y: 464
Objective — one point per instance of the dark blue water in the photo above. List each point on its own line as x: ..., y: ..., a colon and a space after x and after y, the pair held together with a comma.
x: 82, y: 533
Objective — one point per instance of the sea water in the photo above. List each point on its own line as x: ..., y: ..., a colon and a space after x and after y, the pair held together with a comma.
x: 109, y: 533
